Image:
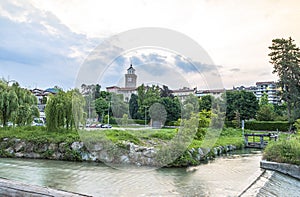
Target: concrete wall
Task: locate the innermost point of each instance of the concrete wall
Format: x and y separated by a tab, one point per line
288	169
15	188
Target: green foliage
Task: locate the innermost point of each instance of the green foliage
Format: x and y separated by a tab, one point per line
17	105
190	106
243	102
165	135
118	106
119	136
172	107
284	56
297	125
59	112
205	103
112	120
124	120
266	113
133	106
101	106
266	110
284	151
267	125
39	134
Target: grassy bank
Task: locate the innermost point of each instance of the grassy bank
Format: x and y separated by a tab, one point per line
39	134
286	150
166	140
139	137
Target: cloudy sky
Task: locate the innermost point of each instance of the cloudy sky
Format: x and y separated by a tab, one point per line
46	43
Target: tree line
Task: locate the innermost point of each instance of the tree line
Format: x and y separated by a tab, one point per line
72	108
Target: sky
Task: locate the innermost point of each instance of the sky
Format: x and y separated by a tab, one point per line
48	43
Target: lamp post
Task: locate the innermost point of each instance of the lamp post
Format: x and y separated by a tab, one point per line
145	115
108	112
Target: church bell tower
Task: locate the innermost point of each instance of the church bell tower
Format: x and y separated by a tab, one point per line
130	78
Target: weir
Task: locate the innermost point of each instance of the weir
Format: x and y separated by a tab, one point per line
262	143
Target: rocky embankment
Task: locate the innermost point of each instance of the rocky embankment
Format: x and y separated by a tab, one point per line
126	153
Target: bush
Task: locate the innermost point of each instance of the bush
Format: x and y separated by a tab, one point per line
141	122
285	151
267	125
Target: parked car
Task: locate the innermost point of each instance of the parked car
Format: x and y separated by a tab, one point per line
106	126
93	126
99	126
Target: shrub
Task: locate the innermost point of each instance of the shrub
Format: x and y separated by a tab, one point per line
267	125
285	151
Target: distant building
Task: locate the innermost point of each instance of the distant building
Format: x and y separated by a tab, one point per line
214	93
268	87
130	85
42	96
183	92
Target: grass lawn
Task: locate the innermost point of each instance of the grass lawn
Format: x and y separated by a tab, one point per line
140	136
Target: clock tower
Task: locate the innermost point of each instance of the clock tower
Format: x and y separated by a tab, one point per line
130	78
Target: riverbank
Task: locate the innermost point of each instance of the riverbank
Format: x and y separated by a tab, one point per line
111	146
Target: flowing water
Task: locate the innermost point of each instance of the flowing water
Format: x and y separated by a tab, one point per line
224	176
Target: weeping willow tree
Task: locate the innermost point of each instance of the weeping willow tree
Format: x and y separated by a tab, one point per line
59	113
27	106
17	105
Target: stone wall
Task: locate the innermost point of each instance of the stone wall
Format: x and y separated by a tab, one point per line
288	169
125	153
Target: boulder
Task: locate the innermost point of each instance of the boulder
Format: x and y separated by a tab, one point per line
77	146
62	147
10	150
20	146
150	153
20	154
53	147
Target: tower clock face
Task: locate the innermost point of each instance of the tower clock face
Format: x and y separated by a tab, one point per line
129	79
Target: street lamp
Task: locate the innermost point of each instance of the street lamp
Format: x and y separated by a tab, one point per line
145	115
108	112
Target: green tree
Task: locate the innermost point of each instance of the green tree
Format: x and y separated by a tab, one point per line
101	106
133	106
243	102
172	106
118	106
64	110
147	96
8	103
266	109
285	57
166	92
27	106
125	120
205	103
189	106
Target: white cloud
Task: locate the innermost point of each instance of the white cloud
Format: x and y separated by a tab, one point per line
236	34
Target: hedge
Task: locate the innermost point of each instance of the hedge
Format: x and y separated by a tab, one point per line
267	125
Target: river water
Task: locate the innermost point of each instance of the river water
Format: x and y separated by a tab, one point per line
224	176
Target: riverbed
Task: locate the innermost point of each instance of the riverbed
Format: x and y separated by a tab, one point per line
225	176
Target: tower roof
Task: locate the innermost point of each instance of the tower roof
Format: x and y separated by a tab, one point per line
131	67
